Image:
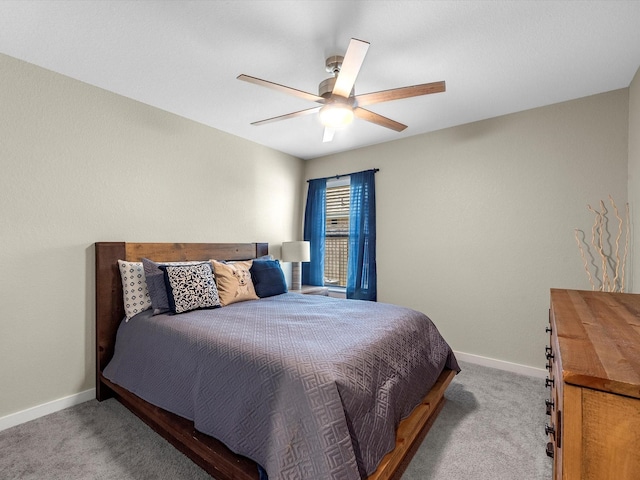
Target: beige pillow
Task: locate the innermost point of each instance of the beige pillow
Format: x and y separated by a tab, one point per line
234	281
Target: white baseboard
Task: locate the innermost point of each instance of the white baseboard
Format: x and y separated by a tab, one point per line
501	365
45	409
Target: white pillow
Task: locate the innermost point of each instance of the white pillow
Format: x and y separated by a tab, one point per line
134	288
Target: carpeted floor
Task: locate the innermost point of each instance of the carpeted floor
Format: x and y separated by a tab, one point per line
492	427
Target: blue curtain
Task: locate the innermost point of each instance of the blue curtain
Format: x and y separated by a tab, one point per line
314	230
361	268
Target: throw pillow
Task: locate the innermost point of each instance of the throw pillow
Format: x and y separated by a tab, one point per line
190	287
134	288
156	283
268	278
234	281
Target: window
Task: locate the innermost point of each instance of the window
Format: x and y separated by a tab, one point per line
360	251
336	252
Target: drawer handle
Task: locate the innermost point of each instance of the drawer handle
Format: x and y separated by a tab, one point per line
550	449
549	404
549	382
548	352
548	329
548	429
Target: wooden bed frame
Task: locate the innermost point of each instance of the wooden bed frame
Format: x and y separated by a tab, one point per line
210	454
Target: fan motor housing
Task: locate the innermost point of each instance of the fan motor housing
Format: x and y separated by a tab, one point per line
326	87
333	65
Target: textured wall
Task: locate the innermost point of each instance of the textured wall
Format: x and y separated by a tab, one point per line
475	223
80	165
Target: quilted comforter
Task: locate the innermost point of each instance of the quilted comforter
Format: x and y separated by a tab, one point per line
310	387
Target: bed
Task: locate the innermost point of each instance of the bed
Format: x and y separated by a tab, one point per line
205	450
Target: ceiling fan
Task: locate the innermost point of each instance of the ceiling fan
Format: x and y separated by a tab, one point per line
337	98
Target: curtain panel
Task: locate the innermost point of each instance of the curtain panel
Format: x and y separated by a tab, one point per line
314	231
361	269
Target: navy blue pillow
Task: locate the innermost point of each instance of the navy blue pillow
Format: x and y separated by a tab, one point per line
268	278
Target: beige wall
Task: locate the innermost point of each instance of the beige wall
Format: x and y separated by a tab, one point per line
475	223
634	176
80	165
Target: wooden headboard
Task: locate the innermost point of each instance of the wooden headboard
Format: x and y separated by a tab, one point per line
109	302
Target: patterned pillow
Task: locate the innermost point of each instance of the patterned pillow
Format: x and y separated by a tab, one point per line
268	278
134	288
234	281
190	287
156	284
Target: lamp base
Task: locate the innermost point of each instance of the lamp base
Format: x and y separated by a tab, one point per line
296	276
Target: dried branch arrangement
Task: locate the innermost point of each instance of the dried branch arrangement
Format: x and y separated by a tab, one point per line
604	254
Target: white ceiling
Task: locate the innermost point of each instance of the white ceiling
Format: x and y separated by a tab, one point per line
497	57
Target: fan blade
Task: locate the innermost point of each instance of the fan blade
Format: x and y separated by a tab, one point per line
350	67
281	88
288	115
399	93
328	134
369	116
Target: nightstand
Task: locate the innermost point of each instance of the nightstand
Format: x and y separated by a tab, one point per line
312	290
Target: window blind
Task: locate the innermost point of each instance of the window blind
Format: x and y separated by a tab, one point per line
337	235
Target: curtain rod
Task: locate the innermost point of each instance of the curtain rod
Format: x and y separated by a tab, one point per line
375	170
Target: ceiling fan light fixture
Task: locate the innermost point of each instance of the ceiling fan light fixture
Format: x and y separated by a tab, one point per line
338	97
336	115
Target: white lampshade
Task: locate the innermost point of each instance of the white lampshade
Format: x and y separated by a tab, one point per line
296	252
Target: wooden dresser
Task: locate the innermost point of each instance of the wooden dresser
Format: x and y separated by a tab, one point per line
594	380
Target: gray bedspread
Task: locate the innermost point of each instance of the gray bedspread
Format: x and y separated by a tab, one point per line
310	387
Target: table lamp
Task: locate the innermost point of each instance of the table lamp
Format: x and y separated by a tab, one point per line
296	252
